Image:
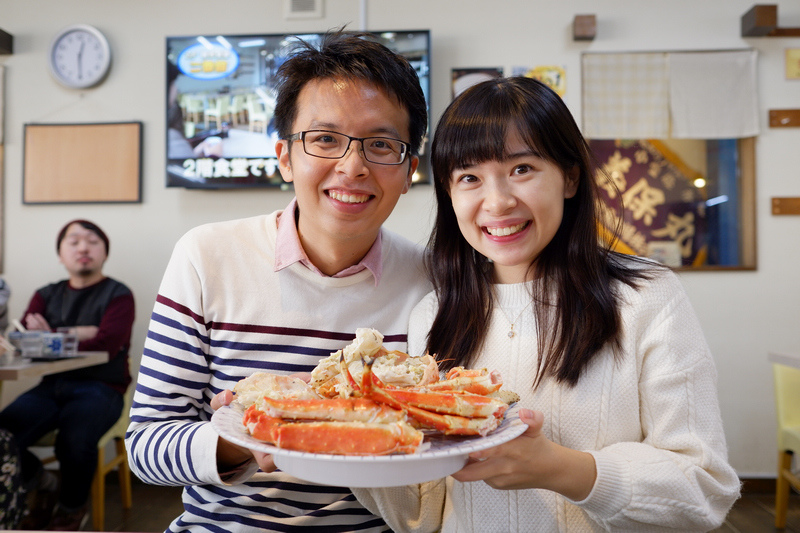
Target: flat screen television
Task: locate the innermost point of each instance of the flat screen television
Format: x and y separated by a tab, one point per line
220	100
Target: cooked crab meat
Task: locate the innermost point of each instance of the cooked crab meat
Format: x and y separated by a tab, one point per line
263	384
340	438
470	410
458	403
338	409
478	381
393	367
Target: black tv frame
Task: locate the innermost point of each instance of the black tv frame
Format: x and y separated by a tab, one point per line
206	67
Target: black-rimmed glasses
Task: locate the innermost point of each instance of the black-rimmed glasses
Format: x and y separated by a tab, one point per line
334	145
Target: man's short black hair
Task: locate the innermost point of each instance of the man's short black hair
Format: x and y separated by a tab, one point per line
86	224
350	55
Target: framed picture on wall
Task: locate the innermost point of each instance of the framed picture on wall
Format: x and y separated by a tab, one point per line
688	203
82	163
220	99
464	78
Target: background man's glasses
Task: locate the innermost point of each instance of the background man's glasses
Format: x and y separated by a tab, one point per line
334	145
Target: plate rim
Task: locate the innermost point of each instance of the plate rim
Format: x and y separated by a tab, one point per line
510	428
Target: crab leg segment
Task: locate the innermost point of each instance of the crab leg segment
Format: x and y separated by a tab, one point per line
447	424
479	381
339	409
450	403
450	424
341	438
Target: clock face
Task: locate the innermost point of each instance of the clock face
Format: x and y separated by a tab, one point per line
80	56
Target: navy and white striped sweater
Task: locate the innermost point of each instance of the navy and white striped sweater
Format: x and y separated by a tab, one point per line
222	313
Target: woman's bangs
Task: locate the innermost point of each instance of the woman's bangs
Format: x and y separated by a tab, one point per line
478	137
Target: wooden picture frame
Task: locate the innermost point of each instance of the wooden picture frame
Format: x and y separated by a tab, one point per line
688	203
82	163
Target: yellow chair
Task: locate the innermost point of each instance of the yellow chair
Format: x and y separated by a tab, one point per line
238	109
218	112
787	403
256	114
119	461
193	107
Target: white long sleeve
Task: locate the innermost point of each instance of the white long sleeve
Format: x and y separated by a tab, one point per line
651	420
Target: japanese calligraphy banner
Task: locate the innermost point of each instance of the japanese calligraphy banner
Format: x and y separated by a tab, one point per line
653	200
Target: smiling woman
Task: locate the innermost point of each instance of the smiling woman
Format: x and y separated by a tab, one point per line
510	209
595	338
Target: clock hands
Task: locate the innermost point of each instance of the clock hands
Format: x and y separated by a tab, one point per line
80	54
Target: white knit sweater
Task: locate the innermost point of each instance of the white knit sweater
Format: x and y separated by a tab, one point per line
651	421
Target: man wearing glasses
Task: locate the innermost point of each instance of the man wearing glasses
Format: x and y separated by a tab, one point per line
279	292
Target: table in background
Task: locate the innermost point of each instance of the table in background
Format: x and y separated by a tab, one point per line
24	368
785	359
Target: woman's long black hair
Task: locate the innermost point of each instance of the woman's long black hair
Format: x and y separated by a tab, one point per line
576	308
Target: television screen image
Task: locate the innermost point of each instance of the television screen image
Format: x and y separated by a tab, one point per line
220	102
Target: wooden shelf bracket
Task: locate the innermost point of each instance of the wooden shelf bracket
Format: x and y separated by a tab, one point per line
762	21
584	27
6	43
784	118
786	206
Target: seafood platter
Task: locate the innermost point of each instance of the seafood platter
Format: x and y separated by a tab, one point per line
370	417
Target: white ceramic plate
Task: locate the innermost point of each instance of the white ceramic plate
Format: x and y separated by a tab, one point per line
444	456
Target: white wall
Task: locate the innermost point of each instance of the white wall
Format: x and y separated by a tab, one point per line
744	314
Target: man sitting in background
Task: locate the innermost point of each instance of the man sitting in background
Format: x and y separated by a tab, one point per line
81	404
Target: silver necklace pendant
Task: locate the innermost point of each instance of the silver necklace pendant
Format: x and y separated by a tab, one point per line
511	333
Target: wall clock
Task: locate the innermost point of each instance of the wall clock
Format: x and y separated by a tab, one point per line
80	56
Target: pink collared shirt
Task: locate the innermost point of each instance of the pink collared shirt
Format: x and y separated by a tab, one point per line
289	250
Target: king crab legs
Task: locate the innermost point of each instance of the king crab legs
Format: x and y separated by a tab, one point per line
341	438
452	412
378	419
